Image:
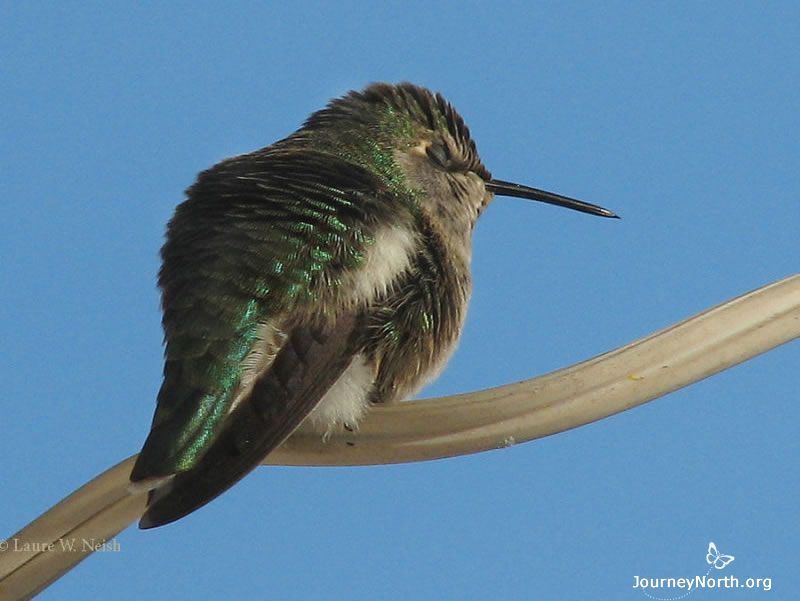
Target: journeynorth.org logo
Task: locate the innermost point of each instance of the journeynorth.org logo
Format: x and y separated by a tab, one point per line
674	588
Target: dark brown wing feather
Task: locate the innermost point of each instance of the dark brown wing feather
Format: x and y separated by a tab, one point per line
308	364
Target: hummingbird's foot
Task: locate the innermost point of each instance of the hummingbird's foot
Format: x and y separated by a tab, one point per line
339	426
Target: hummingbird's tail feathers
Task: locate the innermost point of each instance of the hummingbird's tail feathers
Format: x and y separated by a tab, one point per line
170	446
308	364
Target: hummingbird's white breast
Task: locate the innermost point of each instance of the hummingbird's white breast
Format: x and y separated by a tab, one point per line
385	260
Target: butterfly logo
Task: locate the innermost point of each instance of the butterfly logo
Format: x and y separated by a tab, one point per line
717	559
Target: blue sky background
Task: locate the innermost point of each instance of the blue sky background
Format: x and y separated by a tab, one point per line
682	117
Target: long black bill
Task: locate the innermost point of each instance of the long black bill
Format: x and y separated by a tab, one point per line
501	188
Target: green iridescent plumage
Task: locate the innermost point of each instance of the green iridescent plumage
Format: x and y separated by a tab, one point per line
260	239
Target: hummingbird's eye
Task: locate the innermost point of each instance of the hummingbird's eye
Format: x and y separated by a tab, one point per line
439	154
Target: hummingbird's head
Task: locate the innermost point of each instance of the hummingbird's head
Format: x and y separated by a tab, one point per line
418	143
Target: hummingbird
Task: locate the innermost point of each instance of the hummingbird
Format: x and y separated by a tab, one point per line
303	282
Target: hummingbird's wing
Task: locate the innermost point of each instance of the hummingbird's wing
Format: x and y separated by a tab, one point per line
308	364
258	251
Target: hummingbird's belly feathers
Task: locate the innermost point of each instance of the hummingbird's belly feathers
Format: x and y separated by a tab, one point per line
346	402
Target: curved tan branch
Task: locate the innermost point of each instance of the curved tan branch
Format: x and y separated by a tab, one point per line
632	375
